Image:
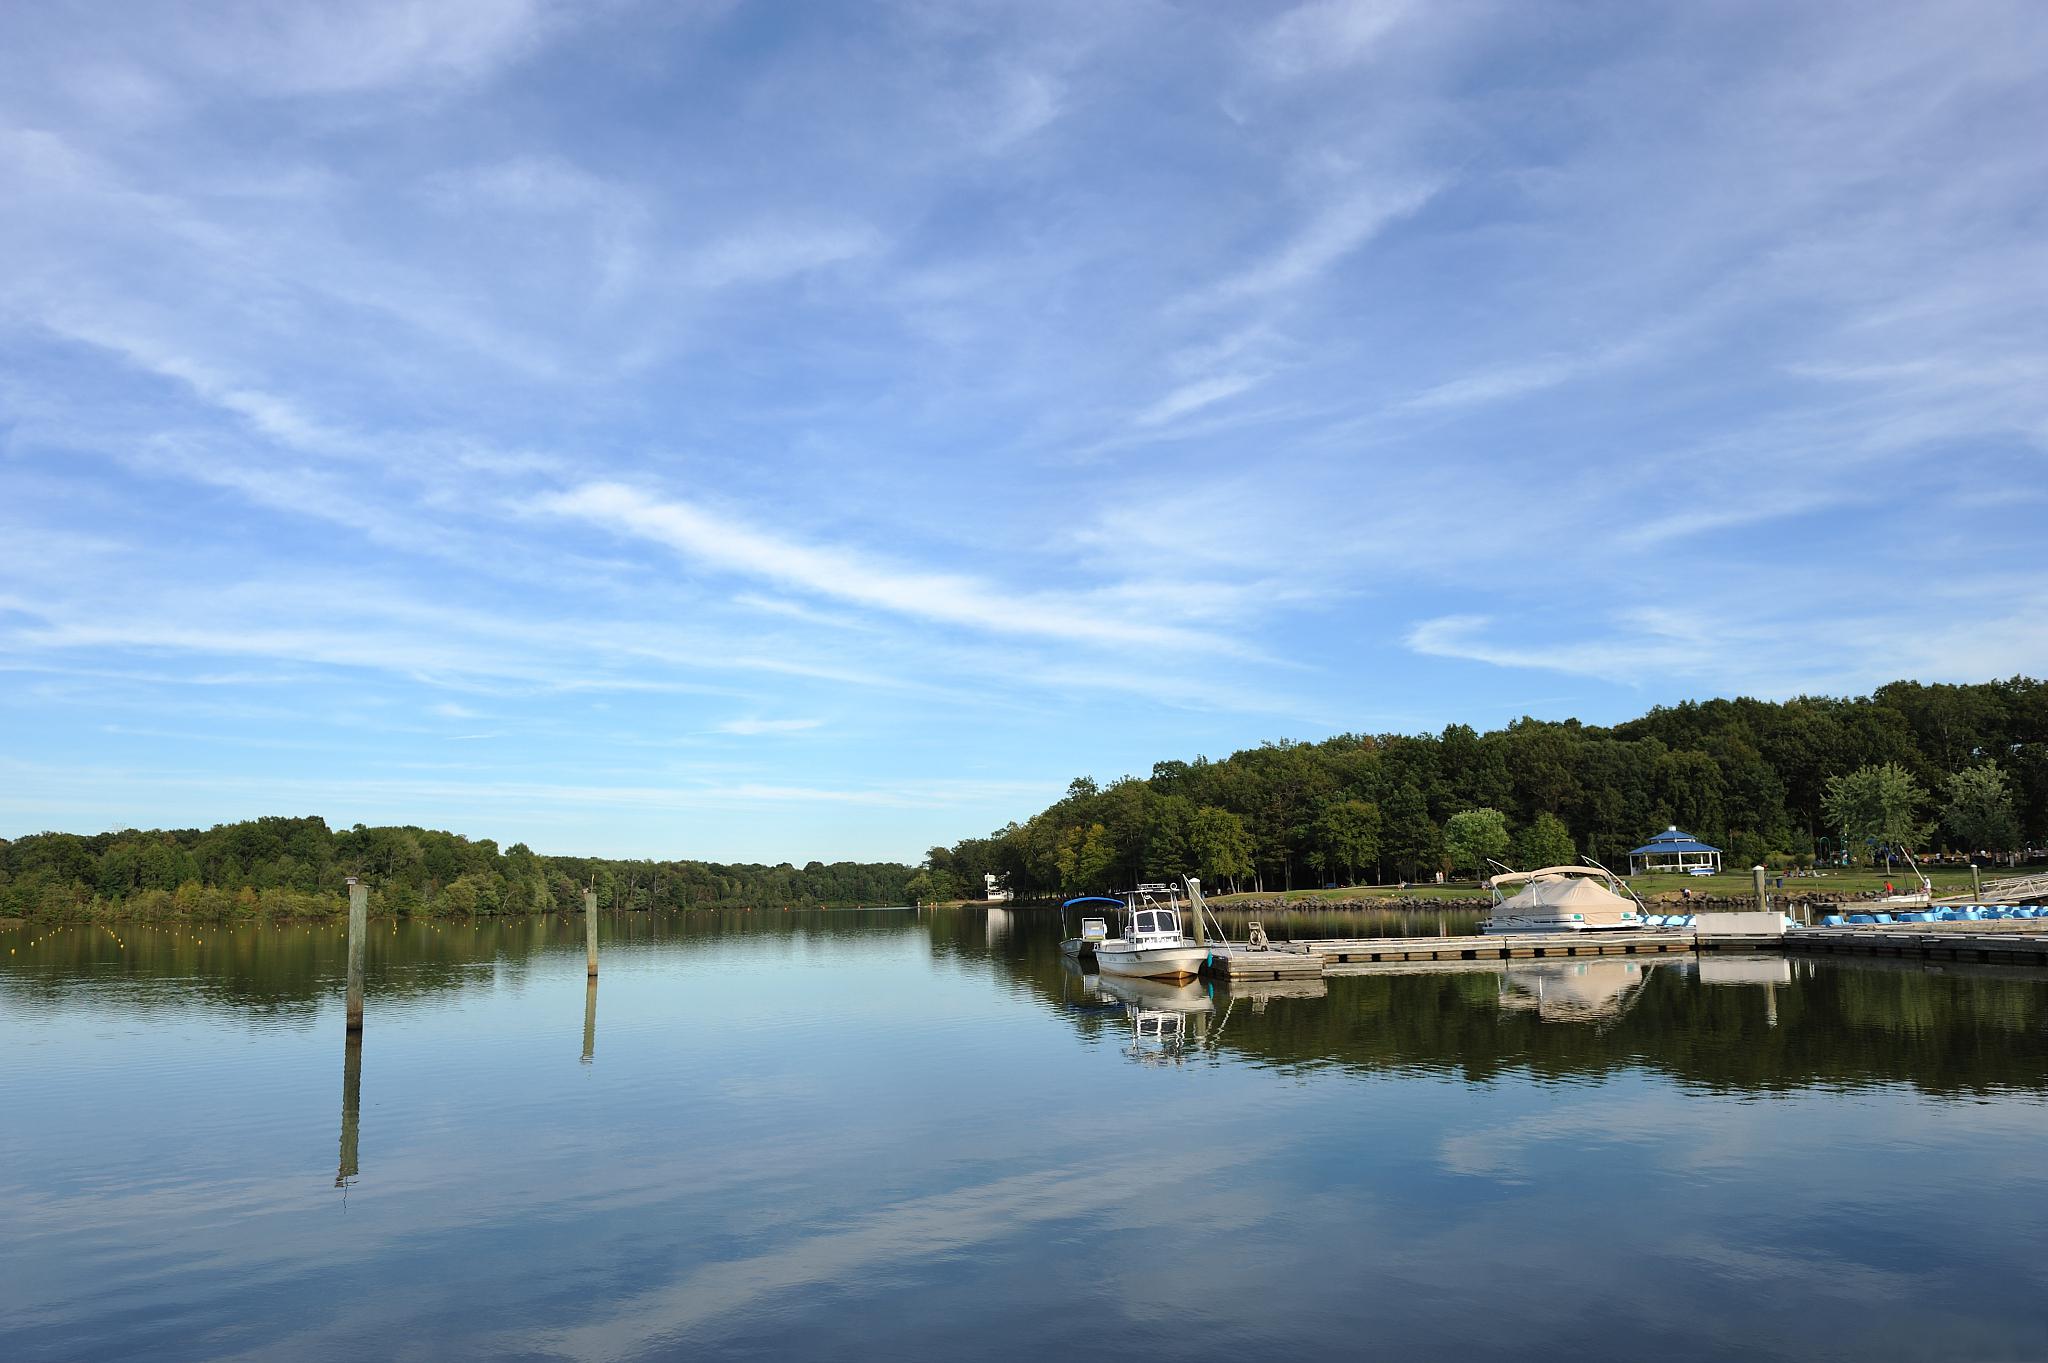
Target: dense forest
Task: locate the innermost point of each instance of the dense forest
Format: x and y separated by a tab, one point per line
1926	767
285	866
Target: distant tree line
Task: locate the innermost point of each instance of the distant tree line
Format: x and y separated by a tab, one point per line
1921	766
296	866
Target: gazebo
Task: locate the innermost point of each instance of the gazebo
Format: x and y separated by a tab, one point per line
1674	850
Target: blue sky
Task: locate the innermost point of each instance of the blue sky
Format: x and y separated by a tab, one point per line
770	431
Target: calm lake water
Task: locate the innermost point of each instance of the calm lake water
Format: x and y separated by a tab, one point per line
899	1136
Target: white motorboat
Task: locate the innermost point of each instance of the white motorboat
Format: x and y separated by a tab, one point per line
1152	946
1562	899
1093	930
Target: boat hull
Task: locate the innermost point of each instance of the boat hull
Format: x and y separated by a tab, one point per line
1495	927
1178	962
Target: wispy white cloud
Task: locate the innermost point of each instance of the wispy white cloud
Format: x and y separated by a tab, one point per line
729	544
1326	35
1193	397
1334	231
750	727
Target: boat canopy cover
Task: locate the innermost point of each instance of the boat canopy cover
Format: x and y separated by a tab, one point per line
1508	878
1568	896
1671	842
1092	899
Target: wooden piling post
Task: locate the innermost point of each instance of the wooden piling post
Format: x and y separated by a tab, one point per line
1976	881
1763	901
590	929
358	931
589	1019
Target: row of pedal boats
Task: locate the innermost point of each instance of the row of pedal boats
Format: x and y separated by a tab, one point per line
1150	938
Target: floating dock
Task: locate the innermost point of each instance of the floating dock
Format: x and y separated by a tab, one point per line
1309	959
1920	942
1317	957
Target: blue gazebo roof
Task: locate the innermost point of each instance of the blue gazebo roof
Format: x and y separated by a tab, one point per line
1672	841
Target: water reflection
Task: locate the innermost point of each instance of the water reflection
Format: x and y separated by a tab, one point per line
1168	1021
590	1019
864	1121
1572	991
351	1108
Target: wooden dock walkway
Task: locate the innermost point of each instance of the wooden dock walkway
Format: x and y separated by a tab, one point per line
1308	959
1925	942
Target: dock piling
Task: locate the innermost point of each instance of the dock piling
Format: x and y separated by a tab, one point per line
1976	882
1763	901
358	931
590	929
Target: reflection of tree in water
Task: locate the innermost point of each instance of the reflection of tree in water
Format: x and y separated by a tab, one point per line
289	969
1952	1030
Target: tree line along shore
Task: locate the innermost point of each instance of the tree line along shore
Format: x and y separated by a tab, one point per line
297	868
1787	784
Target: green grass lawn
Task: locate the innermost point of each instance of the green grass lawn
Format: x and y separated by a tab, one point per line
1728	885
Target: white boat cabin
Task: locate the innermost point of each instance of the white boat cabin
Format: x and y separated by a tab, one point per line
1153	924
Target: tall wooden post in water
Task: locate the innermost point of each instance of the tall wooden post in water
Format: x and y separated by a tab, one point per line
1762	900
590	929
1976	881
358	930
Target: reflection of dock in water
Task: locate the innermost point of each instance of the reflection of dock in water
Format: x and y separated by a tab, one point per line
1744	970
1259	993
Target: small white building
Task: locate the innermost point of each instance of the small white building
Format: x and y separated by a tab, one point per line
998	893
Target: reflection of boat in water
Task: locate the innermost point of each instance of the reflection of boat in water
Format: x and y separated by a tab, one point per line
1164	996
1151	946
1158	1036
1572	991
1561	899
1162	1013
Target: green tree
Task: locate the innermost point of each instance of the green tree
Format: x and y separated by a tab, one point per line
1410	839
1349	834
1544	842
1878	805
1096	859
1472	836
1222	848
1979	811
